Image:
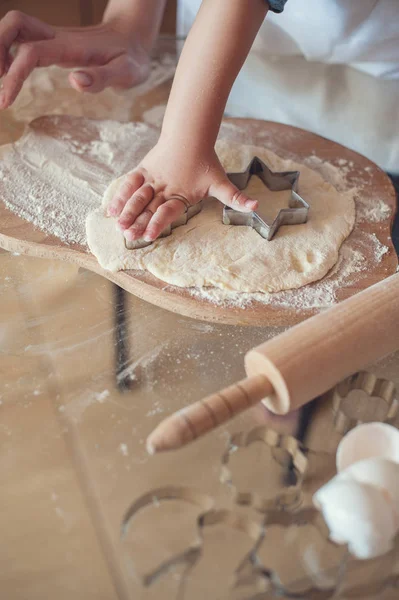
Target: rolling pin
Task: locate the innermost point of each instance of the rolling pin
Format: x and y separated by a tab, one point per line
298	365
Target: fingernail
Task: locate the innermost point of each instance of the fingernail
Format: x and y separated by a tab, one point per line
252	204
148	237
128	235
83	79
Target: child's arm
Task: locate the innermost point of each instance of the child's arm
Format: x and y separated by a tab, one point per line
183	167
113	53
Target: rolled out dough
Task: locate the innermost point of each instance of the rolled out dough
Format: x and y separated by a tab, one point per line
206	253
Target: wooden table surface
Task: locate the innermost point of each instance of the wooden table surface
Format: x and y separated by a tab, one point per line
86	372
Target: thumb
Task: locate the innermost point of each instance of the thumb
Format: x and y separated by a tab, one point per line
119	72
230	195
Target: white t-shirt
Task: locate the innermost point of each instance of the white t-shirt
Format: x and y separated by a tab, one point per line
329	66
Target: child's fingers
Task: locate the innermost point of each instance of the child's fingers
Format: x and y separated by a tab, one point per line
138	228
230	195
168	212
131	183
136	205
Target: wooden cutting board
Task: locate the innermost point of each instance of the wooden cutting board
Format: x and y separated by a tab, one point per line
21	236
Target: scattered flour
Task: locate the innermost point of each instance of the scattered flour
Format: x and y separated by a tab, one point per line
379	250
334	175
101	396
373	210
123	449
75	408
156	410
368	209
140	368
320	295
42	175
41	179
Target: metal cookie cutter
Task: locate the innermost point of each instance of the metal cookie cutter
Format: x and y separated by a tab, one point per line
190	212
155	497
296	214
287	499
372	386
207	517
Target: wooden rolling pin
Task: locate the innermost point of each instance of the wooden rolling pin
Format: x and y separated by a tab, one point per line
298	365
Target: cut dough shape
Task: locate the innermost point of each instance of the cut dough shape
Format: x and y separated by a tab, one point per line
206	253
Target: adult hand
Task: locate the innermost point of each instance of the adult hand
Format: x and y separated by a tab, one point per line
106	55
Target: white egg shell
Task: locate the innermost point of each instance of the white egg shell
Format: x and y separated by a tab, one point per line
359	515
367	441
379	472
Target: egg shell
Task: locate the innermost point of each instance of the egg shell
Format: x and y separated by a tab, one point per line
379	472
369	440
359	515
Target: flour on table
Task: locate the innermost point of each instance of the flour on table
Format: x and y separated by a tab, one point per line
207	254
54	180
57	173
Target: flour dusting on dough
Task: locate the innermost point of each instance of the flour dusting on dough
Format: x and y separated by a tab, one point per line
207	254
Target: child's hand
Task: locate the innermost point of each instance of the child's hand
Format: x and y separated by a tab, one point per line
183	167
108	57
165	184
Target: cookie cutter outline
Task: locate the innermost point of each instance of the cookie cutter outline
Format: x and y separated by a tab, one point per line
295	214
250	569
308	515
288	499
189	213
209	516
369	590
190	495
372	385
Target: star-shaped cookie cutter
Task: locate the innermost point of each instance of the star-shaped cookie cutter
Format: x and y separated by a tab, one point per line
296	214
